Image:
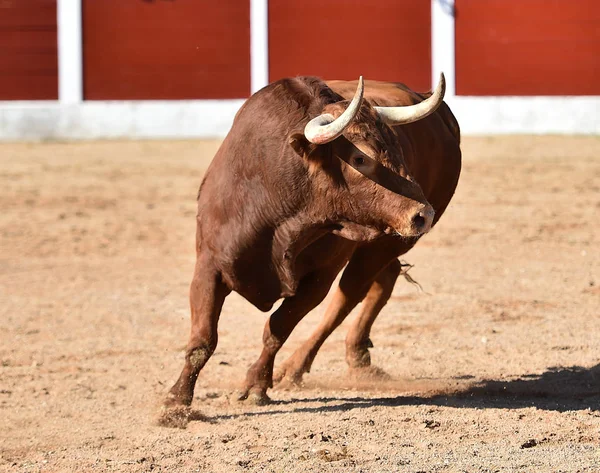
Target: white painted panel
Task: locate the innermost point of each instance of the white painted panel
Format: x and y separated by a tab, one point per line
213	118
526	115
259	44
442	43
127	119
70	70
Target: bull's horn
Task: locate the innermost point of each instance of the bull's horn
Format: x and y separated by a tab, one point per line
412	113
326	128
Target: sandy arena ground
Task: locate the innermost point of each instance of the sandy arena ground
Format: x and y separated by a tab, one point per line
495	367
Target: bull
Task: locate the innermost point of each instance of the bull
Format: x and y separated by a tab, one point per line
312	178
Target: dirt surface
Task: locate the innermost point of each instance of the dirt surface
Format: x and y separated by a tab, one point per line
495	367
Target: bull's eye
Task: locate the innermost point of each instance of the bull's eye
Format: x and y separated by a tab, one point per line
359	161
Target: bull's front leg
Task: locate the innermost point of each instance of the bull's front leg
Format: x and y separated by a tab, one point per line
311	291
292	370
207	294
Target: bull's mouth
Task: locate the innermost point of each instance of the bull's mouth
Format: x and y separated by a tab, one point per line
393	232
356	232
366	233
412	233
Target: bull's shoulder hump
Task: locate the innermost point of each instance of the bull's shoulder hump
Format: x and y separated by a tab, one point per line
379	93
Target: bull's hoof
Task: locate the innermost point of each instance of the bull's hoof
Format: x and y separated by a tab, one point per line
288	378
176	417
255	397
368	373
290	383
291	371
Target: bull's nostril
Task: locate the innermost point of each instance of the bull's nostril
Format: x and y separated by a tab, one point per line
419	222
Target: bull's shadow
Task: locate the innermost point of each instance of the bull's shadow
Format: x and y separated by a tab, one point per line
558	389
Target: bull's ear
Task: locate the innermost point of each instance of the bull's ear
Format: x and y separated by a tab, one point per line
301	145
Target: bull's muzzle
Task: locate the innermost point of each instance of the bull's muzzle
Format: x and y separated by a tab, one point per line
419	223
422	221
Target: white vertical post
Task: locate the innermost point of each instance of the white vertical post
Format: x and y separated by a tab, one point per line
259	44
70	69
442	44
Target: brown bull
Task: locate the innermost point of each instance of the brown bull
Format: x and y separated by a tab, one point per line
305	183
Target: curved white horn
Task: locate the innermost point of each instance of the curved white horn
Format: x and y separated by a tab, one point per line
411	113
326	128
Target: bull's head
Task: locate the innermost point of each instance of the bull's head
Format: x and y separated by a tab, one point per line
358	151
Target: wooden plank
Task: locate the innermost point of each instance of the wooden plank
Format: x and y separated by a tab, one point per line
184	49
528	47
28	50
341	39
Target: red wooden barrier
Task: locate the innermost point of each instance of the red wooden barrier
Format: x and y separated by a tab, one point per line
528	47
342	39
28	50
166	49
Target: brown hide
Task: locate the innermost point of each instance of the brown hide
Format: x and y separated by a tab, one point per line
270	213
280	217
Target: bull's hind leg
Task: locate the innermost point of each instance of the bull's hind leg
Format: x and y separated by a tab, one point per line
310	293
207	294
358	339
366	273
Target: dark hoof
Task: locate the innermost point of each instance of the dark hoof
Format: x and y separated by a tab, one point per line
290	383
175	417
288	379
255	397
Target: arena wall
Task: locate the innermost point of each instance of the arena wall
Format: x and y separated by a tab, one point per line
90	69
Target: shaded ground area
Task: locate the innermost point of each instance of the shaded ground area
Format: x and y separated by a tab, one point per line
495	367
